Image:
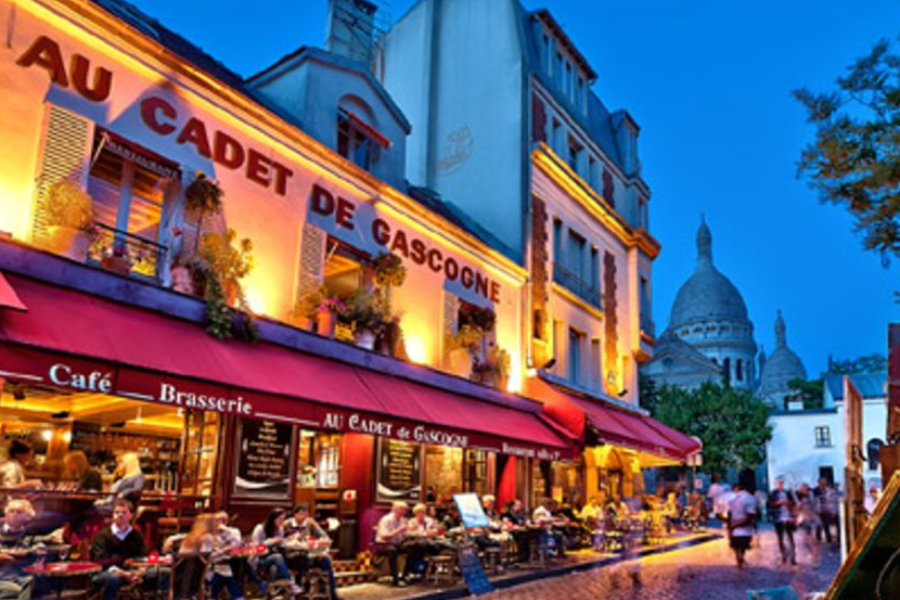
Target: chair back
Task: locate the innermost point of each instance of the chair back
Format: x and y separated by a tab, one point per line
188	576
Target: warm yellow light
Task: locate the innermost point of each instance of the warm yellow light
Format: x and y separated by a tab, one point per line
416	349
67	436
47	435
256	301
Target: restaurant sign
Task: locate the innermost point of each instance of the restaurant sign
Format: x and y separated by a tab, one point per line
29	365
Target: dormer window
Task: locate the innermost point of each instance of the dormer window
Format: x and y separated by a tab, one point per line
358	141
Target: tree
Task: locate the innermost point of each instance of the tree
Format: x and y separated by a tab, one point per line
810	392
873	363
731	423
855	158
649	393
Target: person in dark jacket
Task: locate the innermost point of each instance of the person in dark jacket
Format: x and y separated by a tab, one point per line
87	477
112	546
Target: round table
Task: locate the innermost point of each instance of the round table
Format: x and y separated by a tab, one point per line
60	571
146	562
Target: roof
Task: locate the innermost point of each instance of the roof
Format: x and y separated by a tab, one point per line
304	53
599	123
870	385
544	16
707	294
782	366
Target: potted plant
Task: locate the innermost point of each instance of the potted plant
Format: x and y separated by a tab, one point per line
483	318
182	276
367	313
203	196
326	316
115	258
494	369
70	220
228	261
461	347
391	342
389	270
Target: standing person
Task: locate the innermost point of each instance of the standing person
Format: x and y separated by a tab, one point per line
390	534
827	507
112	546
872	499
742	511
782	510
807	520
12	472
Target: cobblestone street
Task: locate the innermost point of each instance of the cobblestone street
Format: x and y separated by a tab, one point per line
705	572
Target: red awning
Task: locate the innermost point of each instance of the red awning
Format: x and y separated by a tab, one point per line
68	335
580	414
8	297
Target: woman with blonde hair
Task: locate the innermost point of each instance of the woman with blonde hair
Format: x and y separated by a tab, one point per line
77	467
129	481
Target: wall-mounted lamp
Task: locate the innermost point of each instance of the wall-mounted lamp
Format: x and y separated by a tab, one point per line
622	393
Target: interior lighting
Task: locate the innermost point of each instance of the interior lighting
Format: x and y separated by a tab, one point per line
46	435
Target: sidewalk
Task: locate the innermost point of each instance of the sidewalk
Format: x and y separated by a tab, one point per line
575	562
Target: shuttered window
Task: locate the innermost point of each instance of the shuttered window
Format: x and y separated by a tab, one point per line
64	157
312	259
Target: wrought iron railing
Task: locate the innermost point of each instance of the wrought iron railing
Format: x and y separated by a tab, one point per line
578	286
132	253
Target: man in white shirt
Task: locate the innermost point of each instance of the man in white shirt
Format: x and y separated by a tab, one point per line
390	533
742	511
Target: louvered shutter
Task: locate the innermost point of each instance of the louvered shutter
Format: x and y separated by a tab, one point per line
65	156
312	259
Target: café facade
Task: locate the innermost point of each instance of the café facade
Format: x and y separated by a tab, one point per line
105	360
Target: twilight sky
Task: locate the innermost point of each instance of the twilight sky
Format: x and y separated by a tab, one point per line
709	82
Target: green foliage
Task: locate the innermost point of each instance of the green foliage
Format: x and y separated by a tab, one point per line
855	159
221	266
649	393
873	363
203	195
810	392
389	270
467	338
367	311
218	313
228	263
483	318
731	423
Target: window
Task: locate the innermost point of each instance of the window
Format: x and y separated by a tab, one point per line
596	365
574	155
592	172
130	188
557	241
354	143
557	139
726	369
318	460
575	340
567	83
739	370
609	189
579	92
345	268
823	436
545	52
558	69
873	453
646	307
595	268
575	254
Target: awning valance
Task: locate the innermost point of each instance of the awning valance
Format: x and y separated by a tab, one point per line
74	340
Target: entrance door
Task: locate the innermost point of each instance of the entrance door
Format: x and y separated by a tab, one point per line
827	473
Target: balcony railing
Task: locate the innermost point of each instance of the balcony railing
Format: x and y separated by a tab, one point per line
578	286
133	253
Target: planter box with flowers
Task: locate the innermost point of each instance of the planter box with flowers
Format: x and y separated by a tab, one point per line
494	369
462	347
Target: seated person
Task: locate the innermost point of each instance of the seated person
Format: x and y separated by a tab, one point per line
515	520
483	537
112	546
390	534
209	536
543	516
128	484
85	477
452	520
18	548
12	472
271	535
307	533
425	529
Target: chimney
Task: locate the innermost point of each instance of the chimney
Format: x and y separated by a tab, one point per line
351	29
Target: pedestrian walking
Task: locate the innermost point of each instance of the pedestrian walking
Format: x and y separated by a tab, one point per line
742	511
808	522
827	501
782	510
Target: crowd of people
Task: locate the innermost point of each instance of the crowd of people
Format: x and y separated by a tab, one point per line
279	551
810	512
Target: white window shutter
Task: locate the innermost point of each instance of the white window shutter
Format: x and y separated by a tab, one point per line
65	156
312	259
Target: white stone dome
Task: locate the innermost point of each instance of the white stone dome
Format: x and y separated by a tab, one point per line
782	366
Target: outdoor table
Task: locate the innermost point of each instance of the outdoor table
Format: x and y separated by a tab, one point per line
145	562
61	571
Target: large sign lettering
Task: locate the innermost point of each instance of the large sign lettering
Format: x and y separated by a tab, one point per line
360	226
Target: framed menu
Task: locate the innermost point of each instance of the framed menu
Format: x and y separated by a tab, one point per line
398	471
264	459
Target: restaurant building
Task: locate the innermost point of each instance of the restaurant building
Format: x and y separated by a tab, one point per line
102	344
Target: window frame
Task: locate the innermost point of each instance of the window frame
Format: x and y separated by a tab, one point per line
823	436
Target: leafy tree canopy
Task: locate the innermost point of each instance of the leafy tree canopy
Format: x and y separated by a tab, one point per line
731	423
855	159
873	363
810	392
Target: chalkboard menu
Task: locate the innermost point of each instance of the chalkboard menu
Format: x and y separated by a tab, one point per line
399	471
264	459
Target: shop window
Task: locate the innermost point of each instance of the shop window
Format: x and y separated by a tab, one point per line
346	269
319	460
443	473
177	449
130	188
475	472
823	436
355	142
540	471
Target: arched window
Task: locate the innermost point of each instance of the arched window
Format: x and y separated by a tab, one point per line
726	369
358	138
872	451
739	370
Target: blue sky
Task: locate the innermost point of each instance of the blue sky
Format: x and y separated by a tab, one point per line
709	81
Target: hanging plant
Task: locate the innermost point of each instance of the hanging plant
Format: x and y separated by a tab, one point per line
389	270
203	195
482	318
